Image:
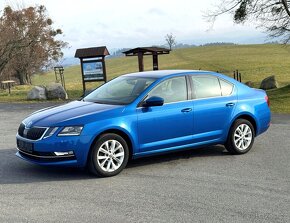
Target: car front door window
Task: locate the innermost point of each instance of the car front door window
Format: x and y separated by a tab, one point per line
172	90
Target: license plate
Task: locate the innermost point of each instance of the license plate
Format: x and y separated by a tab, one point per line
25	146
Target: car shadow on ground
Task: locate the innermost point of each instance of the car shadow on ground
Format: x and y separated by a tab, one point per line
179	155
16	171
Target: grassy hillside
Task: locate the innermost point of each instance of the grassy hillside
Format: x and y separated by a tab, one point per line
255	62
280	99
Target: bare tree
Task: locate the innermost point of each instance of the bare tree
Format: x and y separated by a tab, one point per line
170	39
27	41
273	16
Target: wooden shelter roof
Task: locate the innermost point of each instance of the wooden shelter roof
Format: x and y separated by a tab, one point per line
146	51
92	52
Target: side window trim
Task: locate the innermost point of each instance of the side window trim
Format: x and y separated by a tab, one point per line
189	87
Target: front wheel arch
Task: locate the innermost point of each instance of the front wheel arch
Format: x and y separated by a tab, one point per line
109	156
117	132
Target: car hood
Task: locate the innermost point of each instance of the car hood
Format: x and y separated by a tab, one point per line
73	113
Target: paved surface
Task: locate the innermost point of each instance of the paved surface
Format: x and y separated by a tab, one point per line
204	185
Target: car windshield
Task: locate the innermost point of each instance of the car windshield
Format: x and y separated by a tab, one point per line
121	91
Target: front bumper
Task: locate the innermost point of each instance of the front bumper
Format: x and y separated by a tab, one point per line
44	151
46	162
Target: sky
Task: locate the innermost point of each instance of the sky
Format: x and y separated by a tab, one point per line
132	23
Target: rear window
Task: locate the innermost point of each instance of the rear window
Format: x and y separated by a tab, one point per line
226	87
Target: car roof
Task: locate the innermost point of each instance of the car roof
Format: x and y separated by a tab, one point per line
163	73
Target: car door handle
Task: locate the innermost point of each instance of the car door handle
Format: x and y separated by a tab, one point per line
186	110
231	104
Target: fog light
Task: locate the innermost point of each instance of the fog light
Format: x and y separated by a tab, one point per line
64	153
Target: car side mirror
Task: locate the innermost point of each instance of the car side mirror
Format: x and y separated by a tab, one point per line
153	101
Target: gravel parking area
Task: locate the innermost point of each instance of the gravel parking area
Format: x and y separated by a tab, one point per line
201	185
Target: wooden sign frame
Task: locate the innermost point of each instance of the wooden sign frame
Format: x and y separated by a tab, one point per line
98	76
93	66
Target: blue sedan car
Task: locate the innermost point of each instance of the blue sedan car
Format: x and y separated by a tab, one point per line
143	114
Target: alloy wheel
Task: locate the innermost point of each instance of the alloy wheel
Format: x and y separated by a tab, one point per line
243	137
110	155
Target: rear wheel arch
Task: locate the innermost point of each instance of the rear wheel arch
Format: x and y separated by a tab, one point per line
249	118
241	136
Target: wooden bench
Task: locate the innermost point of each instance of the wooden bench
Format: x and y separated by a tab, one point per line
8	83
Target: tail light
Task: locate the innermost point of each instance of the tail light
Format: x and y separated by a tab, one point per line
267	100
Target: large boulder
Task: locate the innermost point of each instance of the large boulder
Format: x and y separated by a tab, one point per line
55	91
250	84
269	83
37	93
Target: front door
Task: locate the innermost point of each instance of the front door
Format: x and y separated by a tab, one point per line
169	125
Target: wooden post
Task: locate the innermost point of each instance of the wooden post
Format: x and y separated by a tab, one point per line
104	69
84	85
9	88
155	61
140	61
62	73
55	75
62	80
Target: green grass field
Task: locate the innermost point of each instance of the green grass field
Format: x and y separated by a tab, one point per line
255	62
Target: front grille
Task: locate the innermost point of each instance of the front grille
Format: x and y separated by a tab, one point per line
33	133
21	129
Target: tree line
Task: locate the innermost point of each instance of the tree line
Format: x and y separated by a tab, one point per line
272	16
28	42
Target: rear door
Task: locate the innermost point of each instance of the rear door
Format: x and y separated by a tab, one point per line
214	102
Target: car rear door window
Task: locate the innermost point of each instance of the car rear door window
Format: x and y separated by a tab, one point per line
205	87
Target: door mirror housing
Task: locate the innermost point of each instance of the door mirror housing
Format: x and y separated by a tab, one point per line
153	101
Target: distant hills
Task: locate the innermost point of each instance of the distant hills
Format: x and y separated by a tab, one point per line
70	61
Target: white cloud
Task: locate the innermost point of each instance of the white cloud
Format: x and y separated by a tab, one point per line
132	23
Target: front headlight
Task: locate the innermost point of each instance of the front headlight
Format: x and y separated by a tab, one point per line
71	131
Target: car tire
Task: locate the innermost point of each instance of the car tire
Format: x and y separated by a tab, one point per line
241	137
109	156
